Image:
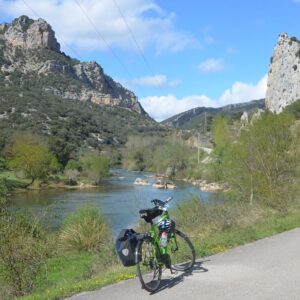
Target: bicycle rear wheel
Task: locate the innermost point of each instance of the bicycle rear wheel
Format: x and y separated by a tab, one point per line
148	269
181	251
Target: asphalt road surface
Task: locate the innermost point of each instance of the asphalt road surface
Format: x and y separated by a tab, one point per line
266	269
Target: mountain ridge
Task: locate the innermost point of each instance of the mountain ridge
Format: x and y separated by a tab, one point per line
30	46
182	120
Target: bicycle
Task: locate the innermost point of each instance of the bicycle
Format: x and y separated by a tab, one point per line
163	245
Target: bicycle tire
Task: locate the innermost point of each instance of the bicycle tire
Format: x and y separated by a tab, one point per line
148	270
181	251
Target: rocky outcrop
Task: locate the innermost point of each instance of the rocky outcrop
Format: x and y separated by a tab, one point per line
30	47
29	34
284	74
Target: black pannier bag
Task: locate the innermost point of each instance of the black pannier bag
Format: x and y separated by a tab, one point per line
125	245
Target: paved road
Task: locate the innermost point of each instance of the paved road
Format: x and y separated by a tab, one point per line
266	269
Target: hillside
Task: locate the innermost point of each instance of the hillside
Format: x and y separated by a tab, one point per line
45	91
199	117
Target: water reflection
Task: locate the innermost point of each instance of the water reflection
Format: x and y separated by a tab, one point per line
118	198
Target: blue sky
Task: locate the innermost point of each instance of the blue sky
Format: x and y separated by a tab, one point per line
175	55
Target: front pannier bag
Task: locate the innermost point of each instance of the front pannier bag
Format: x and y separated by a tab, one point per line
125	245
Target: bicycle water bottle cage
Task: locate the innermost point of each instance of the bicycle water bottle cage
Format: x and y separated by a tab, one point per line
149	214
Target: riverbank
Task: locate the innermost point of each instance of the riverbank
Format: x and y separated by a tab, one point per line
18	184
61	283
210	187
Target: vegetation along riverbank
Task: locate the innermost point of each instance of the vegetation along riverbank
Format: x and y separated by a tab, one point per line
65	123
259	163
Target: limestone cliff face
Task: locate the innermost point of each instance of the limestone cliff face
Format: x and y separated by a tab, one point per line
284	74
30	34
29	47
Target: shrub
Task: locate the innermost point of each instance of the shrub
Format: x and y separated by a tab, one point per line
261	163
30	155
85	230
199	219
22	253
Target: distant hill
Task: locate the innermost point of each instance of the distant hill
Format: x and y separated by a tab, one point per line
198	117
74	103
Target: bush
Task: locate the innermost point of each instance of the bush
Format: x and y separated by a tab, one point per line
261	163
22	252
85	230
3	194
29	154
199	219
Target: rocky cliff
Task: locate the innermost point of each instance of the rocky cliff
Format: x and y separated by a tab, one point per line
30	49
284	74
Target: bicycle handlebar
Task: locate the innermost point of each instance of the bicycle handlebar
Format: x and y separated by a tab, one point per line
161	204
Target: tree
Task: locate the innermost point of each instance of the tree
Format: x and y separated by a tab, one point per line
221	138
31	155
95	166
261	163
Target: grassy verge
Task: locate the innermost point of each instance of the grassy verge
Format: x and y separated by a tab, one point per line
13	181
230	238
73	274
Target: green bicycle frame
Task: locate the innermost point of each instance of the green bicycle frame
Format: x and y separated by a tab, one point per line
160	251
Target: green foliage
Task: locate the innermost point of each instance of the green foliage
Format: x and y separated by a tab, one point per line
294	109
221	135
23	250
28	154
70	125
64	269
221	138
3	195
95	166
159	155
2	163
85	230
74	165
261	163
196	217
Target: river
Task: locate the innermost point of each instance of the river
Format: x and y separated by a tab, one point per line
118	199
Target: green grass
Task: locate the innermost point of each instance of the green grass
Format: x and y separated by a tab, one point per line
63	270
13	181
67	275
233	237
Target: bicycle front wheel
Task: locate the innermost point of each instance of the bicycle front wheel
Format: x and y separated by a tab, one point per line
148	269
181	251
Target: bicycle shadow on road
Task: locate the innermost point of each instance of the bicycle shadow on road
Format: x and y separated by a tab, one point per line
168	283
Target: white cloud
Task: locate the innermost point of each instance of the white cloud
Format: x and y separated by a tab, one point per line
149	23
163	107
212	65
156	81
242	92
152	81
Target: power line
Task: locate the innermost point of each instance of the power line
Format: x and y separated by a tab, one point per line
59	37
103	39
135	41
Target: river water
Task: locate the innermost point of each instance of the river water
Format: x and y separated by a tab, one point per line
118	199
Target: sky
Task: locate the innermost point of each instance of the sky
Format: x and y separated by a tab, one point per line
174	55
